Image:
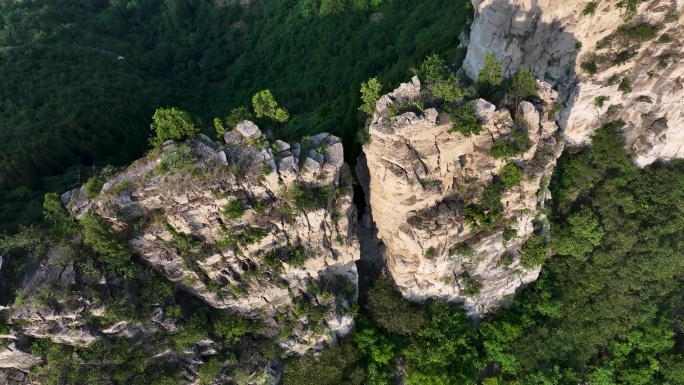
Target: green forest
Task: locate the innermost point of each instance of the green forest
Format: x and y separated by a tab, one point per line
84	81
81	80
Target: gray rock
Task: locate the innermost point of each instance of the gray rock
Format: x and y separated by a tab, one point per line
248	129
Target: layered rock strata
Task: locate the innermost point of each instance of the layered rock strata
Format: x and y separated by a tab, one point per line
419	178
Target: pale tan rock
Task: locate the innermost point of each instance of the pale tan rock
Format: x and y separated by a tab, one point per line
542	35
192	205
417	179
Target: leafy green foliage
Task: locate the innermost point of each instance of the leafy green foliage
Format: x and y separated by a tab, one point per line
516	143
338	365
490	78
231	328
488	211
533	252
370	94
431	253
233	210
590	67
582	234
93	187
600	100
265	105
172	123
112	250
625	85
464	119
510	175
438	81
208	372
589	9
391	311
630	6
305	197
641	32
522	87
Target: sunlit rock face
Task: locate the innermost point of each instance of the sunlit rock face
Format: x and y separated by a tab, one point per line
270	225
553	38
418	178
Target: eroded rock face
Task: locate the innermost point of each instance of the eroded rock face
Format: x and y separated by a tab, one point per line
265	229
419	178
553	38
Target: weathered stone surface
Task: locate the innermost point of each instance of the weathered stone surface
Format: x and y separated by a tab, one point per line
418	177
230	271
544	35
13	358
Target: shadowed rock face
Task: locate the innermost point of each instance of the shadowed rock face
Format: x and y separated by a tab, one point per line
418	178
269	221
544	35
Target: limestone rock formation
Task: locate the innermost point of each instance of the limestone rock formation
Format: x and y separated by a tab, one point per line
418	180
264	228
554	38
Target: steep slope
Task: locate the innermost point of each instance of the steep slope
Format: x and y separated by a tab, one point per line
589	51
421	181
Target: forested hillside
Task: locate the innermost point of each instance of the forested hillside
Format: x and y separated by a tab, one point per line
82	79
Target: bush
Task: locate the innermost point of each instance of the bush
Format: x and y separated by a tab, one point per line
665	38
233	210
431	253
533	252
464	119
338	365
231	328
253	235
370	94
391	311
641	32
101	238
589	9
590	67
462	249
510	176
470	285
207	372
625	85
93	187
613	109
488	211
265	105
516	143
172	123
175	159
306	198
600	100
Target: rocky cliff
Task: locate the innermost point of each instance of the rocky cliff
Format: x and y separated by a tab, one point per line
420	179
607	62
261	227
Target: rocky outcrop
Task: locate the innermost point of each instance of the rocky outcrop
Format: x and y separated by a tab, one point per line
261	227
553	38
418	179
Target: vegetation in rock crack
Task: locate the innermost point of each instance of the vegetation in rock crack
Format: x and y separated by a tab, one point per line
464	119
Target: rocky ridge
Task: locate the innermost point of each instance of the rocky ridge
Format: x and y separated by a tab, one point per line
418	178
260	227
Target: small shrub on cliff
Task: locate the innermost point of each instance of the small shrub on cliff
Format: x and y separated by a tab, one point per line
488	211
665	38
101	238
464	119
391	311
306	197
470	285
533	252
231	328
516	143
233	210
490	78
208	371
461	249
625	85
589	67
172	123
640	32
522	87
93	187
370	94
265	105
510	176
589	9
431	253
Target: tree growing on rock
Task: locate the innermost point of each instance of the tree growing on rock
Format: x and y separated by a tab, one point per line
265	105
522	87
489	79
370	93
172	123
437	79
